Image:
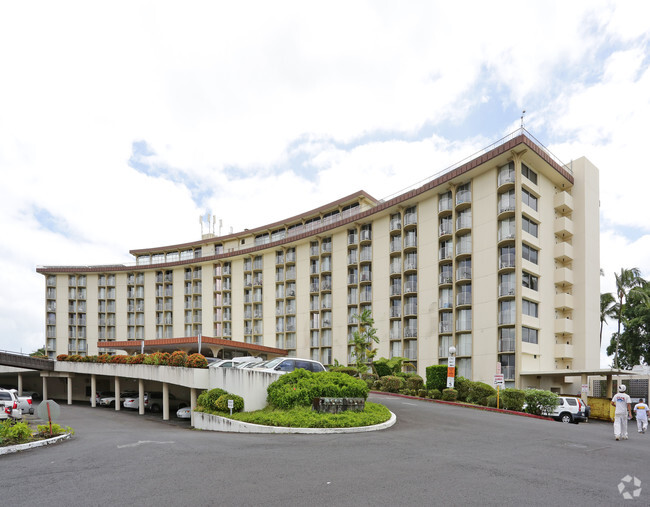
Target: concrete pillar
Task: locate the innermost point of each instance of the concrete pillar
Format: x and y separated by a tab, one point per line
165	395
44	388
141	396
93	390
584	396
609	387
69	384
117	393
20	384
192	404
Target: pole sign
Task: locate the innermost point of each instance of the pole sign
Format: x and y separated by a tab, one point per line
451	372
498	368
499	380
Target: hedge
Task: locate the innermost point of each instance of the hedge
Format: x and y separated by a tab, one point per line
437	376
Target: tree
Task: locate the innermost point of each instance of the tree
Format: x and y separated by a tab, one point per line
625	281
634	340
39	353
363	340
607	309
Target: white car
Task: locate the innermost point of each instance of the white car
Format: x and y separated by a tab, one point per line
24	402
287	364
184	413
9	406
153	401
109	401
570	410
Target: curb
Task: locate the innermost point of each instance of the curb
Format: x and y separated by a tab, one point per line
211	422
40	443
466	405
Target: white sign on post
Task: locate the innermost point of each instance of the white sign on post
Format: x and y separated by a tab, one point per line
498	368
499	380
231	405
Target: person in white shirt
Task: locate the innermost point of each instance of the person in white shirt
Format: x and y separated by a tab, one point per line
641	412
623	411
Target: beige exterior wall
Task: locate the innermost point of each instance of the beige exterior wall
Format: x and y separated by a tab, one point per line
567	272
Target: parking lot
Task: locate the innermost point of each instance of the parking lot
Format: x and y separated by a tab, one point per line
434	454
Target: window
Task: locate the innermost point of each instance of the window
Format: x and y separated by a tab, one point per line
527	172
529	253
529	308
529	281
507	312
507	228
529	199
507	201
528	335
529	226
507	339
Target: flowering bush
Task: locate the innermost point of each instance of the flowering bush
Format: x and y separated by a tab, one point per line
159	358
119	359
178	358
74	358
62	357
197	361
137	359
104	358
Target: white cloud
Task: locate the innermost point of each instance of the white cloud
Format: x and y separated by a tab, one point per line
281	102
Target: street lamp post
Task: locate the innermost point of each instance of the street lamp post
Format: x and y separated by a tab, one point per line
451	367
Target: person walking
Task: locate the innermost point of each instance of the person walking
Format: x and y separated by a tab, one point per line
623	411
641	412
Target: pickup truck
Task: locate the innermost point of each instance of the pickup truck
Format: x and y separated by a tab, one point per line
24	402
9	406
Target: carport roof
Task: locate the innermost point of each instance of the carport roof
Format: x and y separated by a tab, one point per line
577	373
172	344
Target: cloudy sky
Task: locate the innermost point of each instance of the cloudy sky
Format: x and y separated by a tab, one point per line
121	123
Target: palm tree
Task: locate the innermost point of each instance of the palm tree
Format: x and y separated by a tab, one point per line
607	309
627	280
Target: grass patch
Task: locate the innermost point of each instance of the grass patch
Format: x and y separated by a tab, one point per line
305	417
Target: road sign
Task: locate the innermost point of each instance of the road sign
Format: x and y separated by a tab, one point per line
499	380
498	368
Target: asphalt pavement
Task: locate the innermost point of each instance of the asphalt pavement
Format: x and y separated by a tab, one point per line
436	454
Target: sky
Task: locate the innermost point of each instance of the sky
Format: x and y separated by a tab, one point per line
122	123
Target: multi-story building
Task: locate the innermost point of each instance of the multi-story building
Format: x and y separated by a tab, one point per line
497	256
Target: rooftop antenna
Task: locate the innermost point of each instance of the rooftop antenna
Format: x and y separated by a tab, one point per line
201	222
220	225
522	118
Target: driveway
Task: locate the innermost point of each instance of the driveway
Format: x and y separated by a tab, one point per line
435	454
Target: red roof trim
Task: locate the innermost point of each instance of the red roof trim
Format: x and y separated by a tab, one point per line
207	340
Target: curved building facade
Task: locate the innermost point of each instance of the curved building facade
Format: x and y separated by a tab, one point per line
497	256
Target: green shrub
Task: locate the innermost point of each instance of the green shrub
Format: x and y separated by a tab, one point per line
512	399
462	385
300	387
492	401
74	358
222	403
391	384
434	394
196	361
89	359
208	399
422	393
449	395
540	402
414	382
12	434
437	376
348	370
479	393
376	385
157	358
408	392
44	430
385	367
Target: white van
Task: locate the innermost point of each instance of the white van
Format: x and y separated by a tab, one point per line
234	362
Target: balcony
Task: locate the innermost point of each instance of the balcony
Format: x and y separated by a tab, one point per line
463	197
410	287
506	261
445	278
410	332
410	219
563	277
563	301
395	290
444	327
395	313
395	245
505	178
444	229
563	351
464	298
444	204
410	309
463	223
506	345
563	202
463	274
506	289
445	253
365	235
410	265
395	225
563	227
506	207
563	252
563	326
